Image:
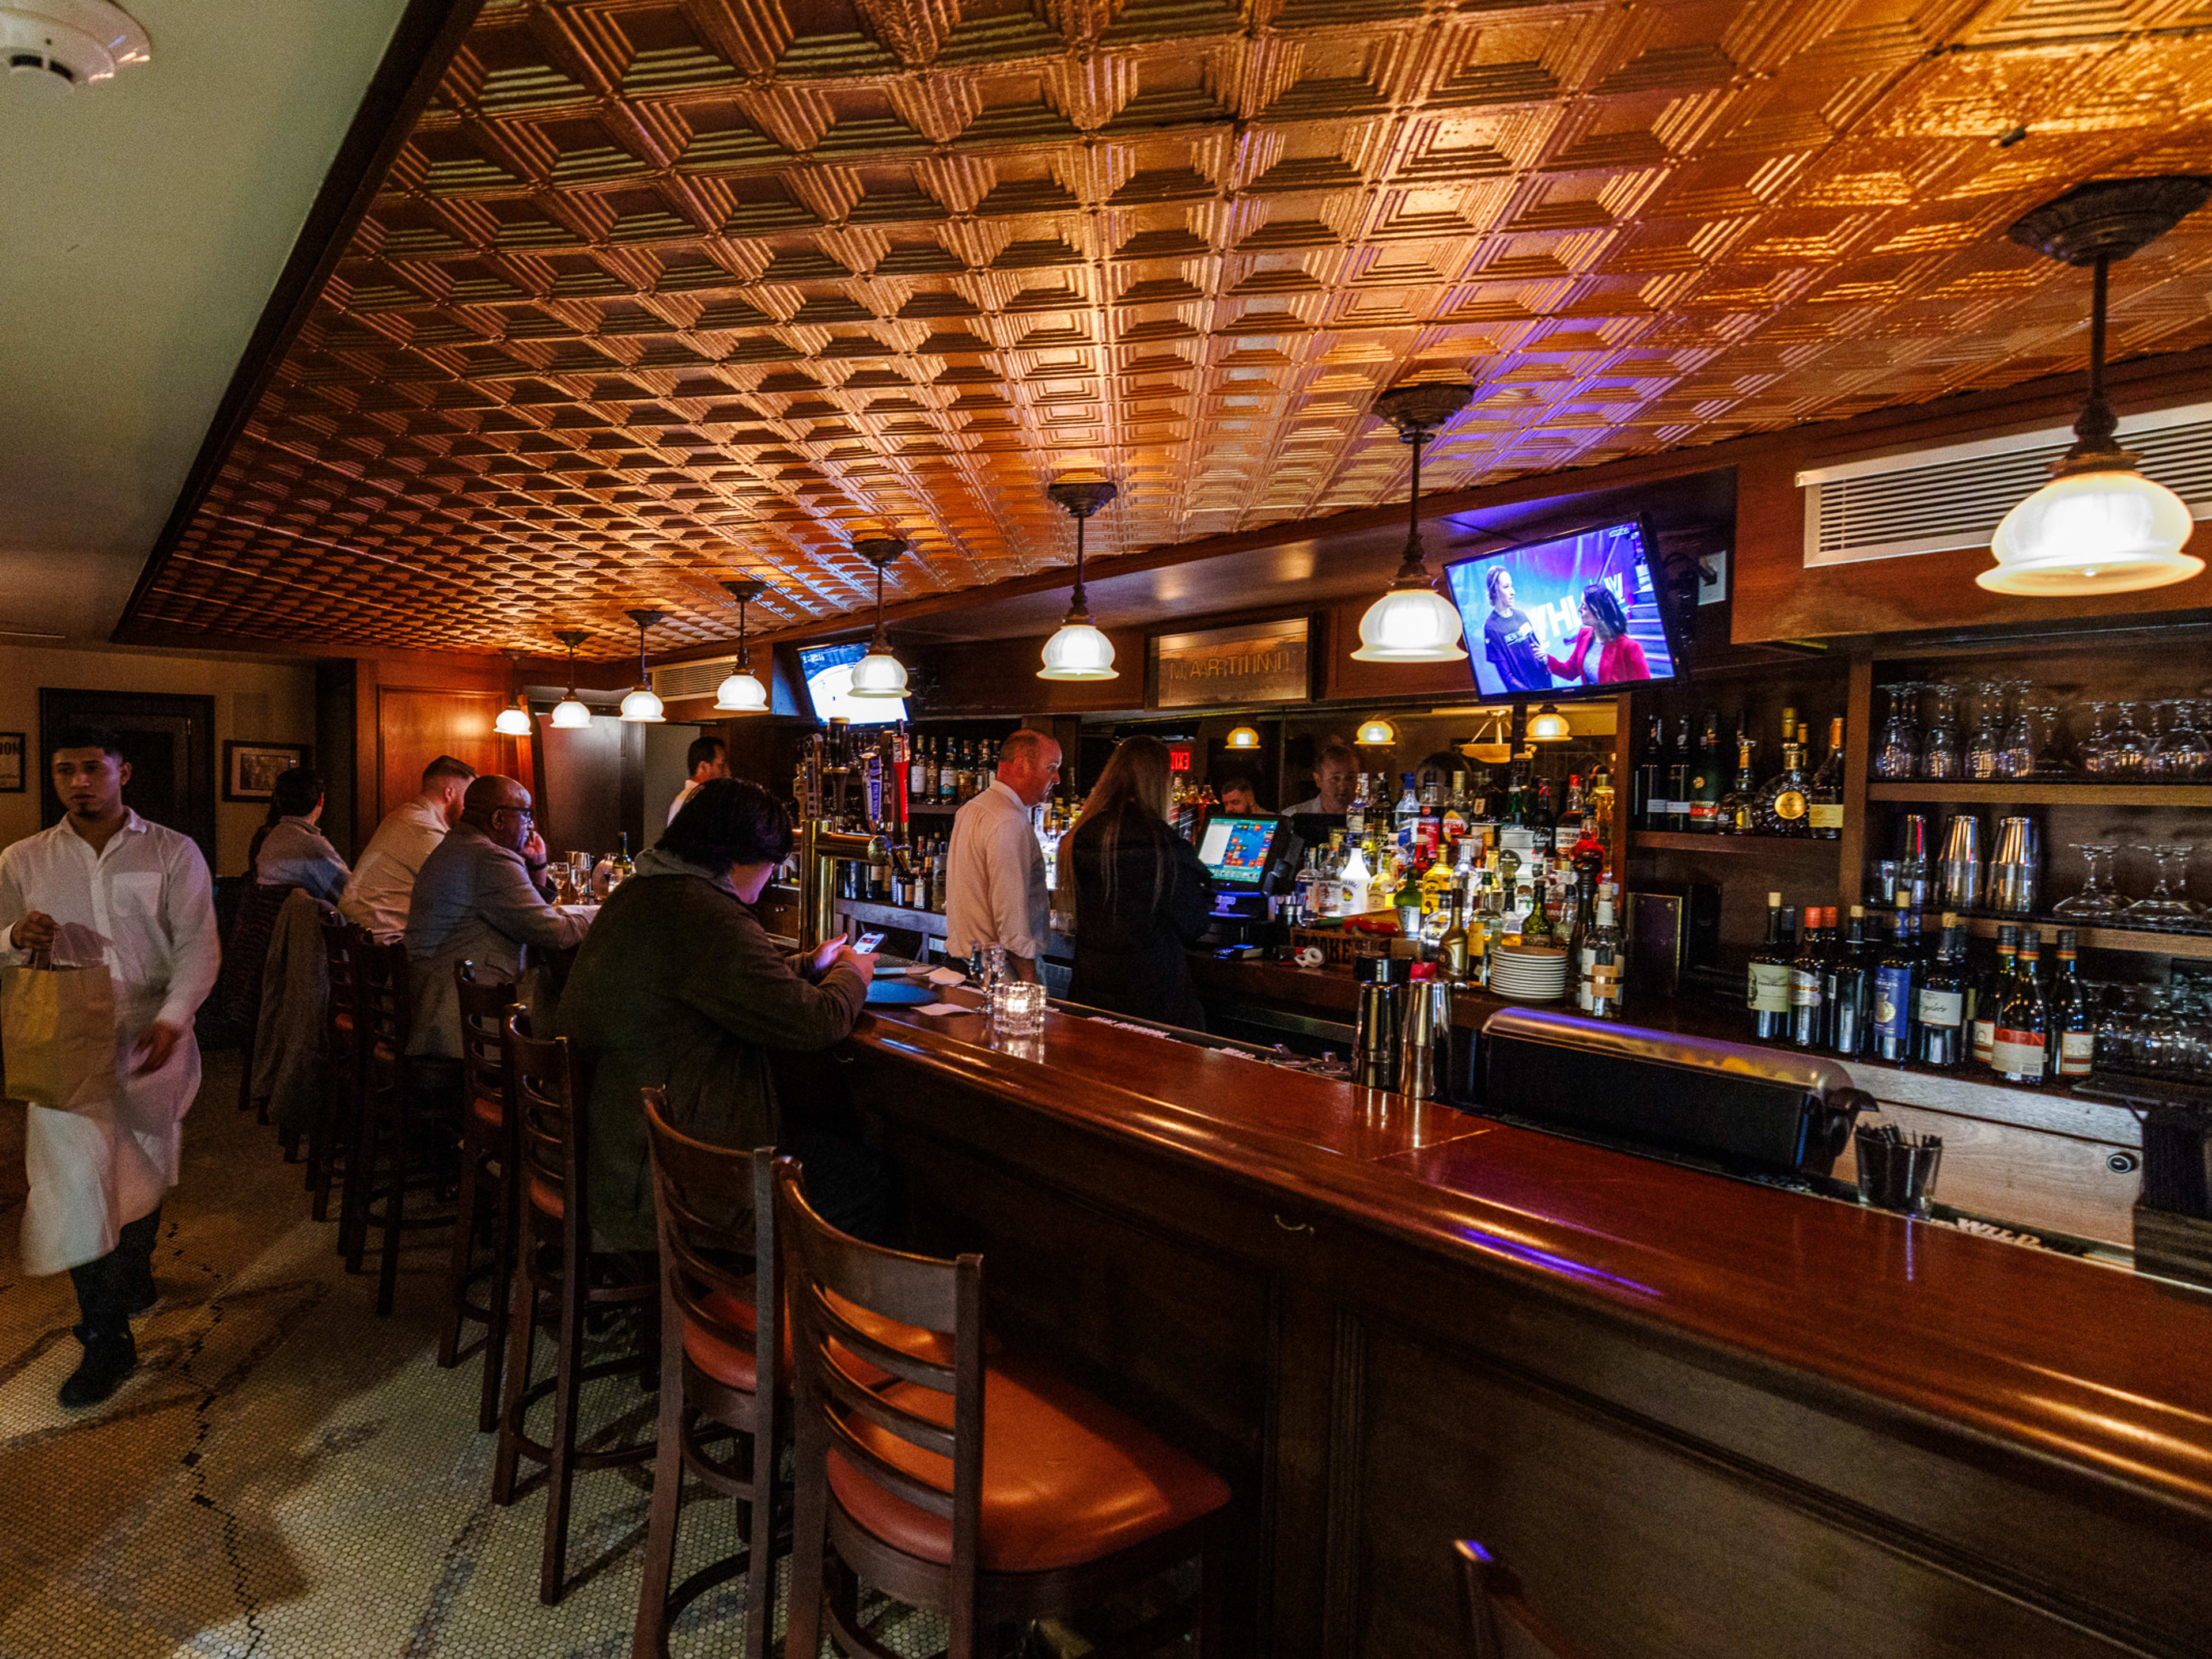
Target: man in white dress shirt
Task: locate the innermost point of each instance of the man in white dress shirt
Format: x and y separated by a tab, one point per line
709	759
383	882
104	885
994	891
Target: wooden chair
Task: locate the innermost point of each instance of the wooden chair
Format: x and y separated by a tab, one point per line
715	1346
330	1139
1490	1598
995	1491
488	1176
559	1280
390	1150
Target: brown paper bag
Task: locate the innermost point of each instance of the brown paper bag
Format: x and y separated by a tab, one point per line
57	1037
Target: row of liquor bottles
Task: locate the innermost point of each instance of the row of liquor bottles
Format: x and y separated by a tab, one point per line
1849	993
1682	787
946	771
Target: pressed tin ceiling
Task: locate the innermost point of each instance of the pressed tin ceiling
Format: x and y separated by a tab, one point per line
660	293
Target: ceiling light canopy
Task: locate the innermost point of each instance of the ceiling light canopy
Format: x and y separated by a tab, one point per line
740	692
641	706
879	674
1413	623
571	713
1079	651
1242	737
2099	525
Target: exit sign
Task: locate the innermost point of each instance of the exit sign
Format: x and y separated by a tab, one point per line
1178	757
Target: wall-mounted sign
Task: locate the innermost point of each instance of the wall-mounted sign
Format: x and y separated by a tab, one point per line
1250	663
11	764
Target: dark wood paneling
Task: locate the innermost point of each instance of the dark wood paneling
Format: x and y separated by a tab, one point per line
414	727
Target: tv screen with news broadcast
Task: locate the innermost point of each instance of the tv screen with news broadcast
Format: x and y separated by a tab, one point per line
828	672
1576	615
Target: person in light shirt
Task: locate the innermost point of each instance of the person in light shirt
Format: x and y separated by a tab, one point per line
994	891
1336	776
709	759
105	886
383	882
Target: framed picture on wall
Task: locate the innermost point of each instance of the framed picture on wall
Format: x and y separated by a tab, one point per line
250	771
12	764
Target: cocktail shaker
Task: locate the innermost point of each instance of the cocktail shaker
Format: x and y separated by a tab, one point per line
1377	1037
1424	1041
1961	869
2015	881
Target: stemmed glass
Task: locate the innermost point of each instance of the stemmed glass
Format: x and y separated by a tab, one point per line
1893	756
2096	897
2094	753
1982	748
2169	900
2182	752
580	876
2127	750
2020	751
1940	744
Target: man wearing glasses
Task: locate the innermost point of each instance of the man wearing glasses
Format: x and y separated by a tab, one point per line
481	897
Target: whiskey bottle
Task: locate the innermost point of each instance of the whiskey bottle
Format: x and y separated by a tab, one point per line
1896	987
1767	986
1826	812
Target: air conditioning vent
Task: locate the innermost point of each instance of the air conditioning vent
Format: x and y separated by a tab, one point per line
691	679
1934	500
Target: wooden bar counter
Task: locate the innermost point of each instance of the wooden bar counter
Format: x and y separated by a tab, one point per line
1697	1416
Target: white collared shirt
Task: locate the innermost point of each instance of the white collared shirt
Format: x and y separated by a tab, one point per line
683	799
994	891
376	898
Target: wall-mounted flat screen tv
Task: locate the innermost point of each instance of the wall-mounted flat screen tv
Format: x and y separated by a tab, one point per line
1574	616
828	670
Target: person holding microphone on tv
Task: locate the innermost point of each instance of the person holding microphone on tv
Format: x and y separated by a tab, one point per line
1509	640
1620	659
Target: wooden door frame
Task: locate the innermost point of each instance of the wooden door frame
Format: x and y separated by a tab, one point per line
62	705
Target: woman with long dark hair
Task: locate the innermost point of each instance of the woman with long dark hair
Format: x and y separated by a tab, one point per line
1620	659
1141	895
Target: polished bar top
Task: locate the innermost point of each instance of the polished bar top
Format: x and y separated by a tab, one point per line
1874	1315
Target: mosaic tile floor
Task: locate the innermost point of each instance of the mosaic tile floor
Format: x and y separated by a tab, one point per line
288	1477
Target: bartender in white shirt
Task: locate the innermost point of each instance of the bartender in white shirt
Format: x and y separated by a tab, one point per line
994	891
376	898
104	885
709	759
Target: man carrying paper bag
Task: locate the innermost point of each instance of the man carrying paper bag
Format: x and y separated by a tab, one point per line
110	895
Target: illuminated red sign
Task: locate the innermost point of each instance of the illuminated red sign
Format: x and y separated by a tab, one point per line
1178	757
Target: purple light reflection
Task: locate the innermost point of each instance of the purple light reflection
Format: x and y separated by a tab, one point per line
1548	1262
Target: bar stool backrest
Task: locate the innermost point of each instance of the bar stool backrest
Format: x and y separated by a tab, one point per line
381	1005
1490	1598
549	1128
341	1014
712	1252
484	1004
827	1267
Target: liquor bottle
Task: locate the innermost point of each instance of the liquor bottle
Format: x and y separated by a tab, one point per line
1452	948
1569	829
1825	813
1808	1026
1992	991
619	867
1896	988
1650	801
1353	882
2021	1052
1940	1016
1602	953
1406	816
1678	780
2073	1020
1452	825
1329	887
1735	809
1542	820
1767	991
1705	804
1783	802
1355	814
1847	985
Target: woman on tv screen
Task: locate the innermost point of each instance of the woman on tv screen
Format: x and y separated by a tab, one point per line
1605	625
1510	640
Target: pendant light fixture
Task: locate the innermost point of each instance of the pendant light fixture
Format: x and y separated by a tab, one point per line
1492	743
1413	623
2098	526
571	713
513	720
1240	737
1078	651
1377	733
1548	725
879	674
641	706
740	693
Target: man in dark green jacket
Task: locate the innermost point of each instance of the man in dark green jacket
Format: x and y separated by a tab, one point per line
678	985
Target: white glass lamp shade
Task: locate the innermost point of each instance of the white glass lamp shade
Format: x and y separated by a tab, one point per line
878	674
1548	725
640	706
1410	624
2092	532
741	694
1079	651
1242	737
513	722
571	713
1375	734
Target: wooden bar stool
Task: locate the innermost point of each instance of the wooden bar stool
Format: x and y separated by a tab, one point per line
389	1143
995	1491
714	1348
329	1142
489	1178
1490	1598
559	1280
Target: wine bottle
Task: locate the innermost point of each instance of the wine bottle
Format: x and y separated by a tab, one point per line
1993	992
1940	1015
1767	986
1678	780
2073	1020
1896	983
1706	779
1650	803
2021	1051
1847	984
1807	1006
1825	813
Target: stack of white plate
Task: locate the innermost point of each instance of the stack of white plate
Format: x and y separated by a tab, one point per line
1528	973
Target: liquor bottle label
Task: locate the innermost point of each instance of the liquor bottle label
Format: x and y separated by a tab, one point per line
1791	805
2017	1054
1893	1003
1769	989
2077	1050
1985	1033
1826	814
1704	811
1804	989
1942	1008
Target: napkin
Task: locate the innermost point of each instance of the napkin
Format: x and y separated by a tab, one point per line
947	1008
945	976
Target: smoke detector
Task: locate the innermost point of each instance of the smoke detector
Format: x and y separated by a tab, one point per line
70	41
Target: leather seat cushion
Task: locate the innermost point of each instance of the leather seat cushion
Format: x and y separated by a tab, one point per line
546	1199
487	1110
1067	1479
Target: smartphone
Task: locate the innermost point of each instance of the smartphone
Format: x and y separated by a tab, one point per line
868	944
